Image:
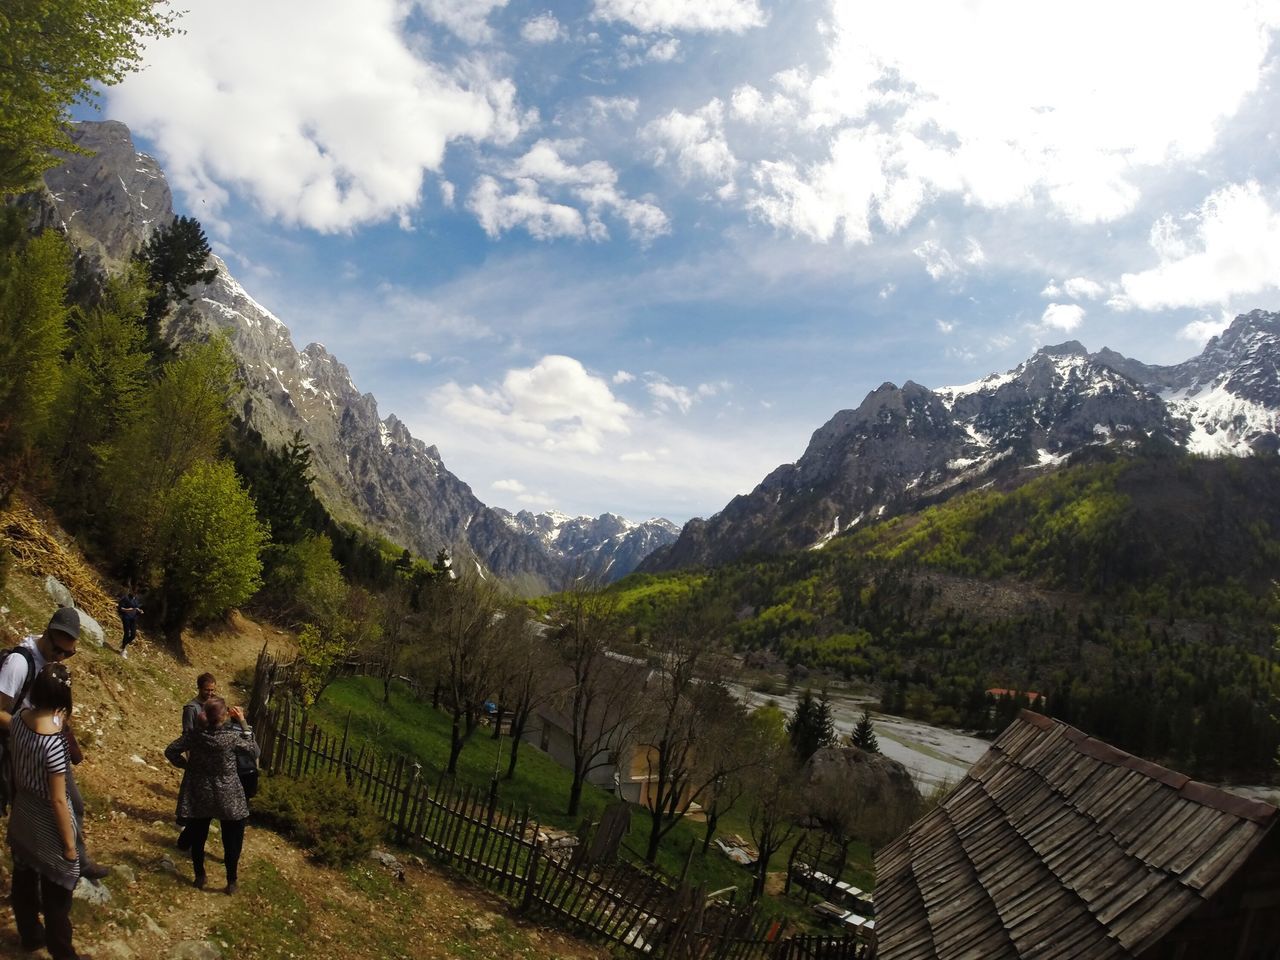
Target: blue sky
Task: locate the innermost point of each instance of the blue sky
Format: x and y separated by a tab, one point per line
627	255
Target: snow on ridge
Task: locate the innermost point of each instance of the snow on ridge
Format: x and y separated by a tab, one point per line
1222	422
992	381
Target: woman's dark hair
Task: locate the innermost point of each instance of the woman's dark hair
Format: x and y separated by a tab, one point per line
214	712
52	688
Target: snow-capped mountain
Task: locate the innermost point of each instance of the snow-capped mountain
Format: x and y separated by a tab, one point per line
607	546
368	469
909	446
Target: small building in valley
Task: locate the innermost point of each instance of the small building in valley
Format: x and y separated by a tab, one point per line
1057	845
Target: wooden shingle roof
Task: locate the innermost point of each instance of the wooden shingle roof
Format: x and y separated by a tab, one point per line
1059	845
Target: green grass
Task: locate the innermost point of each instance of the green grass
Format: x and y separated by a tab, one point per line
413	728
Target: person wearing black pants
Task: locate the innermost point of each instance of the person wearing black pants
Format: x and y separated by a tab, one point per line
34	895
211	787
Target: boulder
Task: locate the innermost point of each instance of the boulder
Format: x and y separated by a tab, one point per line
90	628
860	794
58	593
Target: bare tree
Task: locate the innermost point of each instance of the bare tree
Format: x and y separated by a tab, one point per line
464	627
775	806
689	714
601	695
530	682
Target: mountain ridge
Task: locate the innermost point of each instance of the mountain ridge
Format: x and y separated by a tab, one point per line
368	468
903	447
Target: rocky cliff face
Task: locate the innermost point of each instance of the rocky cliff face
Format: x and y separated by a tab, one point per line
607	546
908	446
369	469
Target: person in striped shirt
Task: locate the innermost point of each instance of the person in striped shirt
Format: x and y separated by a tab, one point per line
43	828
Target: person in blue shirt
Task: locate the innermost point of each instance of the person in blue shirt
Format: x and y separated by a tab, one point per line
129	610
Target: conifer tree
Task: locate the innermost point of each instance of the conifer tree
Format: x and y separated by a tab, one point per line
811	725
175	259
864	734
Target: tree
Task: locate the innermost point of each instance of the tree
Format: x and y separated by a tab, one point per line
775	806
53	55
104	388
531	681
33	334
602	695
811	725
208	547
864	734
182	423
175	258
689	713
465	618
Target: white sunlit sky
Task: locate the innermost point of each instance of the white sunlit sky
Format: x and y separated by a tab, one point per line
627	255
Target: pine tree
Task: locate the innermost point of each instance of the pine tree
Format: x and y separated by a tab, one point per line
175	259
864	734
811	725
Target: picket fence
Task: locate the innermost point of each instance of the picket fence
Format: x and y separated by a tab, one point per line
499	847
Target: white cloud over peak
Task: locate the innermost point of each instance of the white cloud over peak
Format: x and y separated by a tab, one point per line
693	142
667	394
544	28
623	376
508	486
1062	316
554	405
1077	288
666	15
941	265
321	114
466	18
1229	247
901	115
1199	331
594	185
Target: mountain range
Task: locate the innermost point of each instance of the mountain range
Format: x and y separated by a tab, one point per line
369	469
900	449
909	446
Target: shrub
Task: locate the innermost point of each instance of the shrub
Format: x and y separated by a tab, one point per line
322	814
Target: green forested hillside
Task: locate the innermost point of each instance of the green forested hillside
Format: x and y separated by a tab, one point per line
1135	593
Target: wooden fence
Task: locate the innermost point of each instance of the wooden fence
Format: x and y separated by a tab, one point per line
503	849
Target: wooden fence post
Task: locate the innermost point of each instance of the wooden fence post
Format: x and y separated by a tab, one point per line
406	802
531	878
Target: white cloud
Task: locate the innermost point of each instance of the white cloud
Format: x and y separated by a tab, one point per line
592	184
622	376
637	456
1082	288
667	394
1199	331
447	193
420	356
601	109
694	142
704	16
467	18
554	405
499	212
1051	290
938	262
750	105
1227	248
321	114
934	111
945	326
544	28
508	486
1062	316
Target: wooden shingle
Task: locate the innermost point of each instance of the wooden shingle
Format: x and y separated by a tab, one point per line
1057	845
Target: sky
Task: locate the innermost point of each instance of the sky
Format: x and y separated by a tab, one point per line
627	255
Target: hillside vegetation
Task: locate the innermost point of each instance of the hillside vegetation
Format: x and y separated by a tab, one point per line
1134	592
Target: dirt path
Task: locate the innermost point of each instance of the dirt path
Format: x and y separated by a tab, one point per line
127	711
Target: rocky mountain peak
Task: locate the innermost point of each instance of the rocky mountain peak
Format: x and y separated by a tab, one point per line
368	470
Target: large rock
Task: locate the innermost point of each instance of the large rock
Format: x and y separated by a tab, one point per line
860	794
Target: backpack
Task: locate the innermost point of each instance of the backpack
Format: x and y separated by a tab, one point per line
5	766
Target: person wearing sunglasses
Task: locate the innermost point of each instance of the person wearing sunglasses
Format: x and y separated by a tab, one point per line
20	668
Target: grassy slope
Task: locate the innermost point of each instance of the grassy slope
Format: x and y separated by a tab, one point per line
413	728
287	907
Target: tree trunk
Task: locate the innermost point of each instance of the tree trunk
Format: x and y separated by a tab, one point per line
712	819
456	741
655	834
517	732
575	794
